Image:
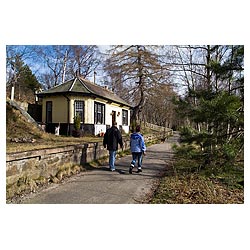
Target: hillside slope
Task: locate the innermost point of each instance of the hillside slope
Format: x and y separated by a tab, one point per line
18	126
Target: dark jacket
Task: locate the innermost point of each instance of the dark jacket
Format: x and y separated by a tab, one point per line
111	138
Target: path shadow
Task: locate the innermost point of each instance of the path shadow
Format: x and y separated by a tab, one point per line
106	169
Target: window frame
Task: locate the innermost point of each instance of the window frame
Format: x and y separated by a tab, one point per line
78	109
99	113
124	117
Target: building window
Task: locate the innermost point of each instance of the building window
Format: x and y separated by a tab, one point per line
125	117
99	113
79	109
49	112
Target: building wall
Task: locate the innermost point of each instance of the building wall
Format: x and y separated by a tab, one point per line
89	111
59	109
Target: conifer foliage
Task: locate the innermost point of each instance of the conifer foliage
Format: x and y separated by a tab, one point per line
213	113
22	78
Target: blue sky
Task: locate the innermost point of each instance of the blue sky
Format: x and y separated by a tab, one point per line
40	67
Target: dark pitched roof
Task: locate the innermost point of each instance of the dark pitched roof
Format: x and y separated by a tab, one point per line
82	86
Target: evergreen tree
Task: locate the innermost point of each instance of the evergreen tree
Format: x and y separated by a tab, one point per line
22	78
27	79
215	132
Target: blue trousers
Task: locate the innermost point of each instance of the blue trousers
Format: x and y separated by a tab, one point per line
112	155
137	156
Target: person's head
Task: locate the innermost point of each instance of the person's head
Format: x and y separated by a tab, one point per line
138	128
114	124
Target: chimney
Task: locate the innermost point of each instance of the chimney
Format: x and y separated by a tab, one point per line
94	76
78	74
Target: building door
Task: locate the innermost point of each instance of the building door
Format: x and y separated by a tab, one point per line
113	117
49	112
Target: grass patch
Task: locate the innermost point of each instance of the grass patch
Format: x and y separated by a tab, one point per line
48	141
195	189
189	183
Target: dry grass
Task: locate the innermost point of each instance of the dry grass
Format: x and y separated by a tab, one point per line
49	141
195	189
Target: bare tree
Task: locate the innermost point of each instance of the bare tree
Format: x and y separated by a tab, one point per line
159	108
55	59
194	67
83	60
135	69
63	62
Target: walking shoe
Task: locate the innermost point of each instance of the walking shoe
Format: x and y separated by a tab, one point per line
131	168
112	170
139	170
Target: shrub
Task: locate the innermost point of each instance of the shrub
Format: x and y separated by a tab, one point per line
77	122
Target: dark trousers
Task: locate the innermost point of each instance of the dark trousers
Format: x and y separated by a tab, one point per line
137	156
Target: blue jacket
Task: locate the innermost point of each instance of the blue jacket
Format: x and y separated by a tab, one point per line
137	143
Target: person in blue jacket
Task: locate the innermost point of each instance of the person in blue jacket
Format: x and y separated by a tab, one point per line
138	148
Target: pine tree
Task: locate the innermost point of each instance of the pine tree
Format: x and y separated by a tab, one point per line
24	81
216	121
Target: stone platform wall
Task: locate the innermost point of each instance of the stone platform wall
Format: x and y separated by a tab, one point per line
25	171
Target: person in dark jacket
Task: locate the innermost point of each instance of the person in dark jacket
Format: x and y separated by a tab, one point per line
111	139
138	148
